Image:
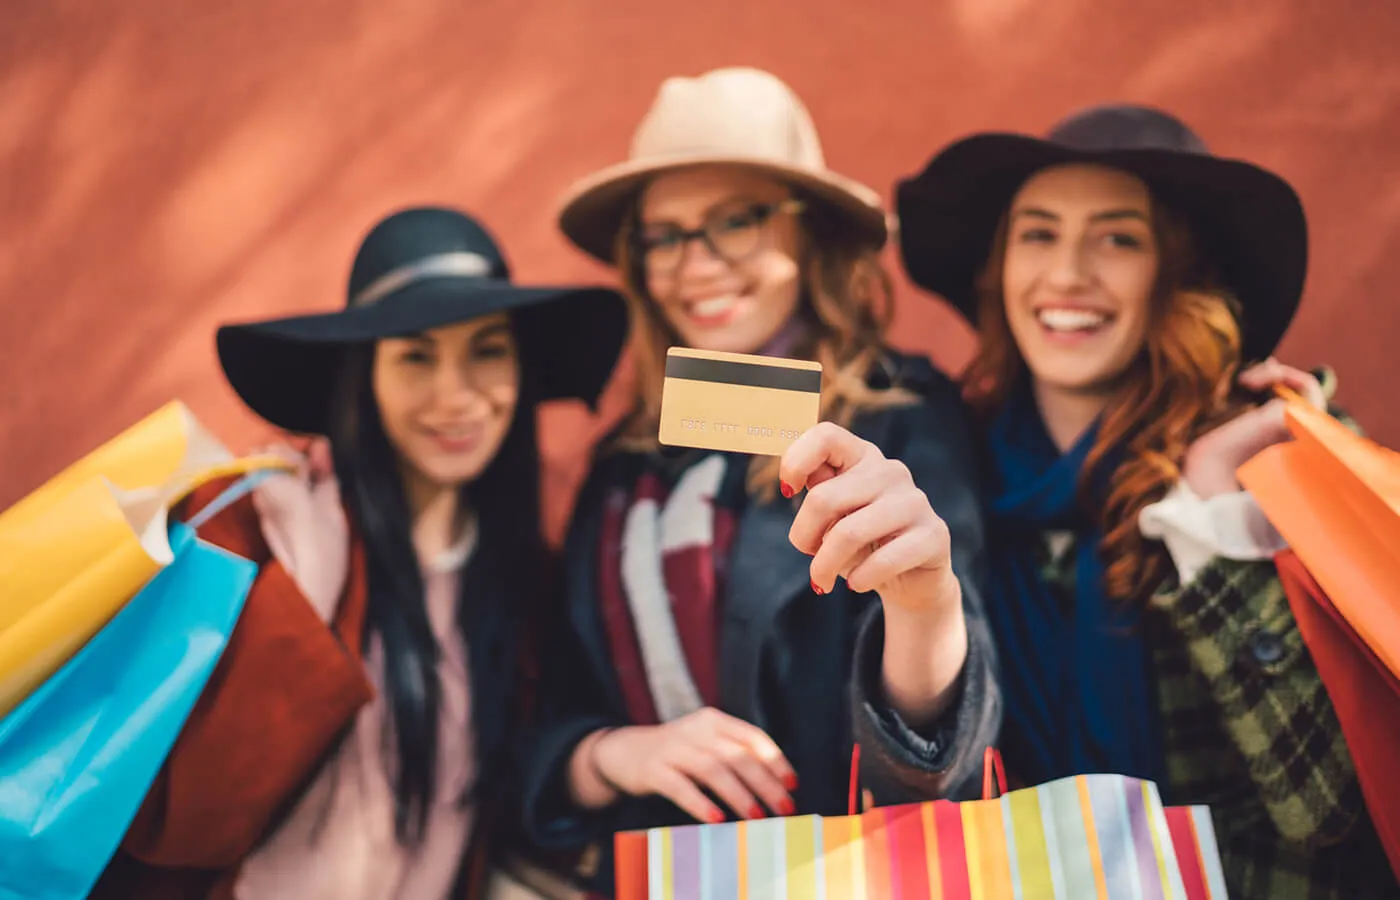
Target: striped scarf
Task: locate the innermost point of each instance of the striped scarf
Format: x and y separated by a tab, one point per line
663	555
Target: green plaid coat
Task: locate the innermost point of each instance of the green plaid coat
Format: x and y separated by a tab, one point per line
1250	730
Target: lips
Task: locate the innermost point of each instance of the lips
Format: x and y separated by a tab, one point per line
456	439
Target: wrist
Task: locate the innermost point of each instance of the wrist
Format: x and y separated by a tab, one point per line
926	600
924	653
589	785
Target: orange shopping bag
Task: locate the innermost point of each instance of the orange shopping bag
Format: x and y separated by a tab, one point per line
1335	498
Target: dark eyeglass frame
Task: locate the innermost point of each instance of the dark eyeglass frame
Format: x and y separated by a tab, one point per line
762	212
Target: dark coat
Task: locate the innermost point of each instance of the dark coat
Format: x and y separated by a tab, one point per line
804	668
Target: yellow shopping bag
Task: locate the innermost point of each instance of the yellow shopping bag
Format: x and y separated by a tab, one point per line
75	550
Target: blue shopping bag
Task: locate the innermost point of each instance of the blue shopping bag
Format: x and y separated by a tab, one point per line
78	755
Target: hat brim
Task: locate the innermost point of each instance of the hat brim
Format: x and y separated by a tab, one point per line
285	369
1248	221
595	208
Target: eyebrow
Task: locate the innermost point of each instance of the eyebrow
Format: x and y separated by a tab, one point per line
493	330
1108	215
738	203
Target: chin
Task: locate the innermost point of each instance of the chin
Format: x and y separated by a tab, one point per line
456	473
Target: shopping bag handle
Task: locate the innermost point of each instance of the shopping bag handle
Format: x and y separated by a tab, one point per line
991	762
229	496
851	802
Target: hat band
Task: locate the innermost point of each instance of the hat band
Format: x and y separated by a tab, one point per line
461	262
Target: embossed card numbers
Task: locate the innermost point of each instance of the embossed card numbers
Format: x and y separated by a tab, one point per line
737	402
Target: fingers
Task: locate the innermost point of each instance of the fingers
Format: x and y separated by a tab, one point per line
923	546
709	770
677	787
761	746
846	544
757	778
826	504
823	444
1264	375
318	458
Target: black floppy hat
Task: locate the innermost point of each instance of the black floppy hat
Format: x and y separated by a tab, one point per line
419	269
1248	221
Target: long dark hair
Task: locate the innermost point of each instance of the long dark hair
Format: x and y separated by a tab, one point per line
501	587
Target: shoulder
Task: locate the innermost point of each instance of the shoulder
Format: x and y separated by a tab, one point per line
937	411
916	374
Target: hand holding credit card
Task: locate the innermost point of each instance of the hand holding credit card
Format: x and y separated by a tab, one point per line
737	402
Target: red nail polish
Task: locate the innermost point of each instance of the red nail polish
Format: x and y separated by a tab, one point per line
816	588
756	812
786	489
790	782
786	808
715	817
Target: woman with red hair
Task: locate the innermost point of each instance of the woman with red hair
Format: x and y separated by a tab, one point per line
1130	288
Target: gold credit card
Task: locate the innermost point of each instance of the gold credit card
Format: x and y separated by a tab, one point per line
737	402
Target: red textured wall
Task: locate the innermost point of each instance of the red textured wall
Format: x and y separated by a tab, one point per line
165	166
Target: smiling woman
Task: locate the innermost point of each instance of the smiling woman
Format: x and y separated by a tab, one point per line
736	623
1124	280
355	740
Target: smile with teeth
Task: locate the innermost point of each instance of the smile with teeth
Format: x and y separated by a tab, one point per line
1072	320
713	306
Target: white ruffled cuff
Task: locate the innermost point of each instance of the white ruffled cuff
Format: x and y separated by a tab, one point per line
1195	531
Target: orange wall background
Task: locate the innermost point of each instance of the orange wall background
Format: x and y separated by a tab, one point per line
166	166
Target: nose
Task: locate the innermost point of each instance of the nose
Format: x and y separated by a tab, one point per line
1070	267
456	390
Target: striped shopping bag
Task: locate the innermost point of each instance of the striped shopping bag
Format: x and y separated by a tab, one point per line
1091	836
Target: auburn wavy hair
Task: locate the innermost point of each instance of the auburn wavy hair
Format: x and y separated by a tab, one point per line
1179	386
846	298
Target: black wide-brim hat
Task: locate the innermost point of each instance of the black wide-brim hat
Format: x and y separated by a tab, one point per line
1247	221
417	270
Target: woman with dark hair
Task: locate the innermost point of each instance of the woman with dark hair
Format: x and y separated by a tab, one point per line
1129	288
355	740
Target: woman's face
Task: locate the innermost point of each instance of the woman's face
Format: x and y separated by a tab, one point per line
1081	264
734	288
447	398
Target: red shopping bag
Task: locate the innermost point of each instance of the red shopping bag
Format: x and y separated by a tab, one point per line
1365	694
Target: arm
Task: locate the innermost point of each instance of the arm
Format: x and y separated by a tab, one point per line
276	702
905	758
1242	638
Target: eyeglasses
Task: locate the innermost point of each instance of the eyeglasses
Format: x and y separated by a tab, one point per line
730	233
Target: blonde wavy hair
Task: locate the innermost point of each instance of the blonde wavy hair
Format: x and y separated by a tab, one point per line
1179	387
846	298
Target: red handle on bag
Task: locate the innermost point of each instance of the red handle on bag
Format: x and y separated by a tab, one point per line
991	761
991	764
851	808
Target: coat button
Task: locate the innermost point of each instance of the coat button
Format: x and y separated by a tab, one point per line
1266	647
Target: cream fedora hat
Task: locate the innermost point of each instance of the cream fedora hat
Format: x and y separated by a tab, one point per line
735	116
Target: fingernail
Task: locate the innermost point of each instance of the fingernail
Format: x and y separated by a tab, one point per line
790	781
816	588
786	489
786	807
756	812
715	817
